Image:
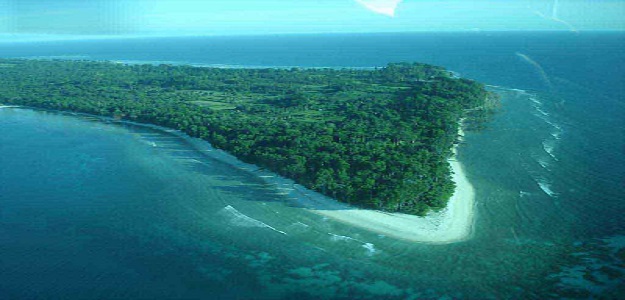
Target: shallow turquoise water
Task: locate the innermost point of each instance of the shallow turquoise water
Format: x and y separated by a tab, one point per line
90	209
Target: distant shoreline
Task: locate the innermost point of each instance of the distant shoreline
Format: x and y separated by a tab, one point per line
452	224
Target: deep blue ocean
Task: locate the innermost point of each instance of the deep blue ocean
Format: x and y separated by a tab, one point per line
92	209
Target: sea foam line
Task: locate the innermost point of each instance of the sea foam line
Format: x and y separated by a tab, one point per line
557	131
241	220
543	163
538	105
453	224
557	134
540	110
369	246
545	186
549	148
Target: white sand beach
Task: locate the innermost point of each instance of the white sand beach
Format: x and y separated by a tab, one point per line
452	224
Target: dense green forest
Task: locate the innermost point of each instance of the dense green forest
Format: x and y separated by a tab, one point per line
373	138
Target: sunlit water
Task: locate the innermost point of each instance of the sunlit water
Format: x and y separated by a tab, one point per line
93	209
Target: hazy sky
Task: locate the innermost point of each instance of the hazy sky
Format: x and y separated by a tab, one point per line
217	17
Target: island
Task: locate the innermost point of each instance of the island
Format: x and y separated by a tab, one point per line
378	138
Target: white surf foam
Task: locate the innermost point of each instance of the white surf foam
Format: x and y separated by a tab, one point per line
546	187
149	143
549	147
239	219
541	111
336	237
538	105
535	100
370	248
520	91
448	226
545	118
543	163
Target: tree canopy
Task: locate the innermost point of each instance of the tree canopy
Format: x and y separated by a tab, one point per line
373	138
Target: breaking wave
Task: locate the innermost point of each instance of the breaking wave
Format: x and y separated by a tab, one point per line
549	146
336	237
543	163
542	112
545	186
369	246
236	218
555	134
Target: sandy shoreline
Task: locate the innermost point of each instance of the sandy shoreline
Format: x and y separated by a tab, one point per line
452	224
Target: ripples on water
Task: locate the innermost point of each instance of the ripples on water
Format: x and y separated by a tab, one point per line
156	218
246	225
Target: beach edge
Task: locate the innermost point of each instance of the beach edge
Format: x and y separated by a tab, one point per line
452	224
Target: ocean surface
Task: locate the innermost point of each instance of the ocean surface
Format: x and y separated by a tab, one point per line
93	209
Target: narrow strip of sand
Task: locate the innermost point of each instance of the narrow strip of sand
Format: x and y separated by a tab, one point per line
452	224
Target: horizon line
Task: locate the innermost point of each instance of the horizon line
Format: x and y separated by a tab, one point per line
52	37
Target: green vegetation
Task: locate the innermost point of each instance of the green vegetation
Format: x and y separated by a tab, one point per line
374	138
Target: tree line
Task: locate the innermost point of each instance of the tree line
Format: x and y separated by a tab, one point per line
373	138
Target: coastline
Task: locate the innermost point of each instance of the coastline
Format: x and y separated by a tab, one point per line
452	224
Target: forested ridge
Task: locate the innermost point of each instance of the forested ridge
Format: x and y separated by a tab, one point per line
373	138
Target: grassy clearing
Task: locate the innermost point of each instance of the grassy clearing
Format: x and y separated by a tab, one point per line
214	105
